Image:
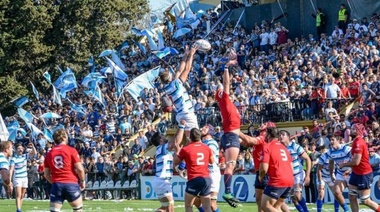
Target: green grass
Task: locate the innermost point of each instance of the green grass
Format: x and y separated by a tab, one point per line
127	205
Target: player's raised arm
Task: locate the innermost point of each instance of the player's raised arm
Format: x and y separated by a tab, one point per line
189	63
182	66
249	141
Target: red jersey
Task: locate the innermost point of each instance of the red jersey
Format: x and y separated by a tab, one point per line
230	114
359	146
197	157
257	152
280	170
353	88
60	160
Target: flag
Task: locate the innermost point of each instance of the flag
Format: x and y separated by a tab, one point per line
161	54
152	44
118	73
96	94
117	61
161	41
48	134
92	80
35	91
35	131
137	31
66	82
20	101
346	110
145	80
141	47
47	77
123	46
25	115
4	134
56	96
60	70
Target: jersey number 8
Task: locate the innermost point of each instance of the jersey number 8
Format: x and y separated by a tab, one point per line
58	162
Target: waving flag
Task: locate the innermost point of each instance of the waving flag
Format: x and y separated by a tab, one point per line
66	82
34	90
119	74
93	79
47	77
161	41
25	115
123	46
117	61
96	94
35	131
141	47
20	101
48	134
106	52
56	96
145	80
181	32
4	134
137	31
161	54
152	44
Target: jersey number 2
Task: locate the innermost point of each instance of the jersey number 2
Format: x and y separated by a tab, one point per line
58	162
284	157
200	158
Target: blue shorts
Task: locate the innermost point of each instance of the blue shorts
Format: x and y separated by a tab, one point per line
363	182
263	184
276	193
199	186
230	139
64	191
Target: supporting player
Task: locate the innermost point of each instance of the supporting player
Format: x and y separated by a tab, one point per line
258	144
337	155
197	156
231	126
6	151
323	178
18	165
162	185
62	166
300	178
361	176
207	133
175	89
277	163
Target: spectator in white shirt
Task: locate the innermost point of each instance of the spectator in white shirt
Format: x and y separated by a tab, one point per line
264	40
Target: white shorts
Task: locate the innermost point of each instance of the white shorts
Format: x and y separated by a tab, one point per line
343	178
326	180
299	178
190	118
215	181
21	182
162	187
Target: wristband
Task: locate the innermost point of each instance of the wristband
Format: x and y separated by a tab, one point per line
81	181
181	127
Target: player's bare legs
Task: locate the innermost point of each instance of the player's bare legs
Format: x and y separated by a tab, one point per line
20	193
268	204
365	197
337	190
167	204
231	155
77	204
297	194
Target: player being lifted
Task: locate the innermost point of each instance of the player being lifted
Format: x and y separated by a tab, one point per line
175	89
162	185
231	126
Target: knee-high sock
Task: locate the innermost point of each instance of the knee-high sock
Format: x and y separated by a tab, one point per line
303	204
227	183
319	205
336	206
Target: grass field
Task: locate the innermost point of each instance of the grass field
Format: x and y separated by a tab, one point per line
126	205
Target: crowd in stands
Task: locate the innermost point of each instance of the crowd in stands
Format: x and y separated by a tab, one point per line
278	79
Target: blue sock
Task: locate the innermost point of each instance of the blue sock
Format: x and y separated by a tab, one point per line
299	208
227	183
217	210
18	210
200	209
319	205
345	207
303	204
336	206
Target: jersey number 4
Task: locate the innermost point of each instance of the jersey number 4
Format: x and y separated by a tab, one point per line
284	157
58	162
200	158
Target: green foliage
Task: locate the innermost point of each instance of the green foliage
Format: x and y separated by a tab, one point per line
36	36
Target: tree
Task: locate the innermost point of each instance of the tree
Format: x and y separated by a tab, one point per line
40	35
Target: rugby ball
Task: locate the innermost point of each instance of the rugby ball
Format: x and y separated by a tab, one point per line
203	45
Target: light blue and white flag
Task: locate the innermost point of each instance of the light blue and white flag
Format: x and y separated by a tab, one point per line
56	96
20	101
161	41
66	82
25	115
117	71
4	133
36	94
47	77
141	47
145	80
